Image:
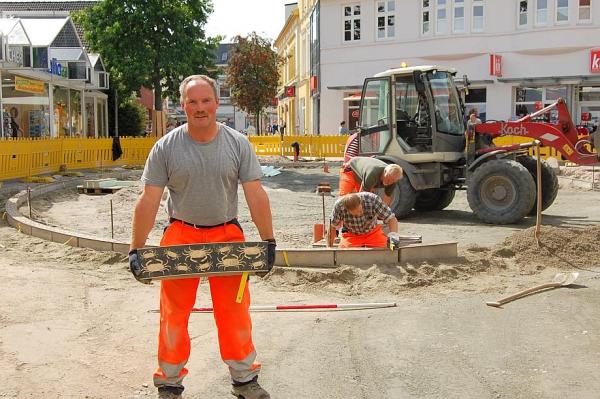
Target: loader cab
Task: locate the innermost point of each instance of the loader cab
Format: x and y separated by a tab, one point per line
414	114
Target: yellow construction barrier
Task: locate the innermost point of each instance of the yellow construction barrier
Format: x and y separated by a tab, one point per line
29	157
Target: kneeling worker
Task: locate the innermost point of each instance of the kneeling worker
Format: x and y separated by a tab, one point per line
368	174
359	213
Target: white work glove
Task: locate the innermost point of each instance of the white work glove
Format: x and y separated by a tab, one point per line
393	240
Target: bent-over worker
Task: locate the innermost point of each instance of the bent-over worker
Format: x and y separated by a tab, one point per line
369	174
359	213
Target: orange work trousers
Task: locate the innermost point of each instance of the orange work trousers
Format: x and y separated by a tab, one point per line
374	239
177	298
348	183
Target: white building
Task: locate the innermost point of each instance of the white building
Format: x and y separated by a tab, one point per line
541	50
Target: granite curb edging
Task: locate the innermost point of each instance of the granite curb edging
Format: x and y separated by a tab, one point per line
291	257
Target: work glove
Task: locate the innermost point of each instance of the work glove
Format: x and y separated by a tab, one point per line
393	240
136	267
271	247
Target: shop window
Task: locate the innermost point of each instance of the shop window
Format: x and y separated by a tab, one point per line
441	21
541	12
523	10
476	100
478	16
77	70
61	111
527	99
458	24
562	11
585	11
351	23
40	57
76	116
386	24
425	17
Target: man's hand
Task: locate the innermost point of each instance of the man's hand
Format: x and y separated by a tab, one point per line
136	267
271	247
393	240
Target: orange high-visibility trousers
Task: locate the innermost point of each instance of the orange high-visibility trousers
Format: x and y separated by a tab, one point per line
348	183
374	239
177	298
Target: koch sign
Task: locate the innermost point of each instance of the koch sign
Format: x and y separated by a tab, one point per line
595	61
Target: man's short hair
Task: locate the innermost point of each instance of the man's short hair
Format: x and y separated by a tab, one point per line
199	78
393	170
350	201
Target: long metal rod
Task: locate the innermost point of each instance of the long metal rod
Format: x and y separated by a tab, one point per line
538	218
341	306
112	221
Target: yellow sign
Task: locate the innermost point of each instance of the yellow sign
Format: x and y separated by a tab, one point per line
567	149
29	85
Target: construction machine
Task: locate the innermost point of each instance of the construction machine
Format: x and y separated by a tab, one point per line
415	117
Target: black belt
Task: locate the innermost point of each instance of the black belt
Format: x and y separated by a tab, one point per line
200	226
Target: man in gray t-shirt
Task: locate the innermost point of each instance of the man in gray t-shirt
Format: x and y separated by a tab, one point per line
200	164
371	173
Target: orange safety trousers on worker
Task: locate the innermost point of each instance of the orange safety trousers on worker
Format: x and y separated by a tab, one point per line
348	183
177	298
374	239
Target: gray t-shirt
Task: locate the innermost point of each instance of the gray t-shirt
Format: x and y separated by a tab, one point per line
368	171
202	178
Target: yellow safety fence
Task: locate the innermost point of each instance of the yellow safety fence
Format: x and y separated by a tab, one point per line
29	157
310	146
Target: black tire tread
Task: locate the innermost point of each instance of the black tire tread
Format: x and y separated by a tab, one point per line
434	199
549	182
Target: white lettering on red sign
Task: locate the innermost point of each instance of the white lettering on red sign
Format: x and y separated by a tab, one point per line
507	130
595	61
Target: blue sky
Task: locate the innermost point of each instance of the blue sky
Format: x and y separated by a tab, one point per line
233	17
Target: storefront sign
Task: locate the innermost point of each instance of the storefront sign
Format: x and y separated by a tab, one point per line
290	91
586	116
29	85
595	61
496	65
355	113
57	69
314	83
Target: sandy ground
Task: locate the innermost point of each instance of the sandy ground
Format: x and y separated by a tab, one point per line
74	324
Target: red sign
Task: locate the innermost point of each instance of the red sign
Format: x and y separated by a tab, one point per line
290	91
313	83
496	65
538	105
595	61
274	102
586	116
355	113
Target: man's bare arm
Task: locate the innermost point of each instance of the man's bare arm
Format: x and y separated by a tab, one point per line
144	215
260	208
393	224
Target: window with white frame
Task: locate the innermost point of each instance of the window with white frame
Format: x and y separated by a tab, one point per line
541	12
562	11
351	22
441	19
425	17
458	24
585	11
478	16
523	10
386	23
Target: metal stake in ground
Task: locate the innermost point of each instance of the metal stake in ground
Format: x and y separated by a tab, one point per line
538	217
324	189
112	222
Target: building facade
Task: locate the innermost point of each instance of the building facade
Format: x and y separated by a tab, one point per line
517	54
51	85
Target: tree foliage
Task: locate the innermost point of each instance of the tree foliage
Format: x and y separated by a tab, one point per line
252	74
132	118
155	43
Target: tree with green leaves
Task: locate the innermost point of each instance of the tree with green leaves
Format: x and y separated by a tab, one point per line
154	43
252	74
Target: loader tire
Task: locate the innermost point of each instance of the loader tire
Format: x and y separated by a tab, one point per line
403	198
549	182
434	199
501	191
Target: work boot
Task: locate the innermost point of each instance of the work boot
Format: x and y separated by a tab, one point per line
168	394
250	390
